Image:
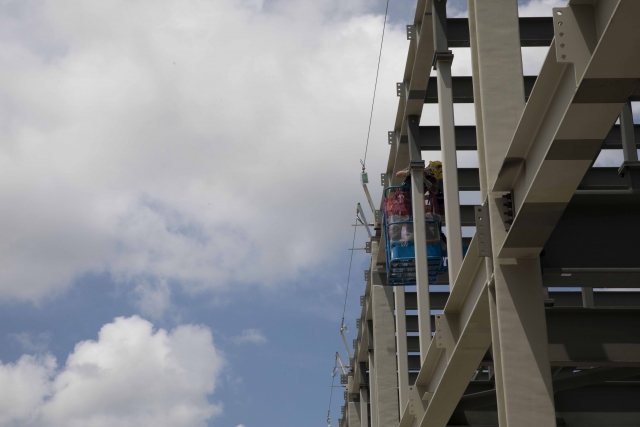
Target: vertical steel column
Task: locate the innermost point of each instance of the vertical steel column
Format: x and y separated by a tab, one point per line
523	378
496	370
477	96
442	62
353	414
364	407
401	338
629	149
419	236
385	406
524	352
373	400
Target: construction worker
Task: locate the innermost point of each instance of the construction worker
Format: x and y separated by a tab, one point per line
432	174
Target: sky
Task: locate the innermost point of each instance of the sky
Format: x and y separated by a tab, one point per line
178	180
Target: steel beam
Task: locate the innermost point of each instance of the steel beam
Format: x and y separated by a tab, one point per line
385	397
373	390
602	298
364	407
516	305
419	233
534	31
566	119
590	337
401	338
569	381
415	81
462	89
442	62
429	138
596	179
353	414
462	338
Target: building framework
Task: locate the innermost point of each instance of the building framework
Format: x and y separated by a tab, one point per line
521	338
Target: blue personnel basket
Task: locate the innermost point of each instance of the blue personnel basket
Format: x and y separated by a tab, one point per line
400	249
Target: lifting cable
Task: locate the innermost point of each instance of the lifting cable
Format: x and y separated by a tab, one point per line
333	378
343	327
346	293
375	87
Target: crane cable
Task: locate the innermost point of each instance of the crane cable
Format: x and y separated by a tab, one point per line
375	87
333	378
346	293
363	163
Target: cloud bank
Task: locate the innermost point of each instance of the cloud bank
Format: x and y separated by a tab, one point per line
205	144
131	376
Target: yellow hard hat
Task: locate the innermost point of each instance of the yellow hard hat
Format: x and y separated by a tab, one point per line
436	169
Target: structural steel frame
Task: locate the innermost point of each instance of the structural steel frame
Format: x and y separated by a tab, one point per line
512	343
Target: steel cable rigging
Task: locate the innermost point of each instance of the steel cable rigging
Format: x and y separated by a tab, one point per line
343	327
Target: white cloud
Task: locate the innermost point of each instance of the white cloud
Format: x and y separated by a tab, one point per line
200	143
252	336
23	388
210	144
131	376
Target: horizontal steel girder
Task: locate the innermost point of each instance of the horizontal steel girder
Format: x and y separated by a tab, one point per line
602	299
616	400
534	31
578	337
463	90
595	179
429	138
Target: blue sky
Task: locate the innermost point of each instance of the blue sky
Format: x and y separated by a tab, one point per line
178	180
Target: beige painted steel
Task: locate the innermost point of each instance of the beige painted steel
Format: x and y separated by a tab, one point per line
499	76
524	353
443	61
450	169
448	367
384	407
364	413
353	414
482	169
373	390
401	338
497	355
477	96
552	115
523	379
420	245
511	311
443	375
416	78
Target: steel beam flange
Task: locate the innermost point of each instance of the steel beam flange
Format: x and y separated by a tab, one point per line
443	55
483	231
411	32
574	28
